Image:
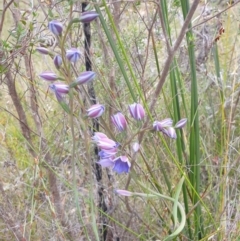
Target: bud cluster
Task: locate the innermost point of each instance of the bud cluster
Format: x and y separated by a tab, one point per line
72	55
108	151
109	148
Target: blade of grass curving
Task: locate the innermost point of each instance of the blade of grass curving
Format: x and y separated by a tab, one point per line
194	134
179	141
152	193
176	197
174	78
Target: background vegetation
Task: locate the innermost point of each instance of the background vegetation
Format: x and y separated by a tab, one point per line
179	59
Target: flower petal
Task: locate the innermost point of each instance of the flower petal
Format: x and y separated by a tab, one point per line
48	76
180	124
121	165
57	61
137	111
119	121
89	16
106	162
95	111
73	55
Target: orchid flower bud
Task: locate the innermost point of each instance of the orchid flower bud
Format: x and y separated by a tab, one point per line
107	144
42	50
59	89
136	147
55	27
119	121
136	110
170	132
57	61
83	78
98	136
124	193
89	16
160	125
180	124
103	154
107	162
48	76
121	165
73	55
95	111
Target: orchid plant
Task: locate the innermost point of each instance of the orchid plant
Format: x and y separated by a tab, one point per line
111	153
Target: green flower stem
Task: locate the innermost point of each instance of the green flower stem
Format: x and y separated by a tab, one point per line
67	73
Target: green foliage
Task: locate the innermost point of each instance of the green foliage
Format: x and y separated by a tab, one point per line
17	146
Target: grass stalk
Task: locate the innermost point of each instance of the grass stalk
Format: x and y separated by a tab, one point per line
223	143
194	134
174	79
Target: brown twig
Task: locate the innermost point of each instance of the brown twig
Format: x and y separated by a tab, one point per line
216	15
3	15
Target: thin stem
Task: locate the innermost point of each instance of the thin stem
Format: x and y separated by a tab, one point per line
3	15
